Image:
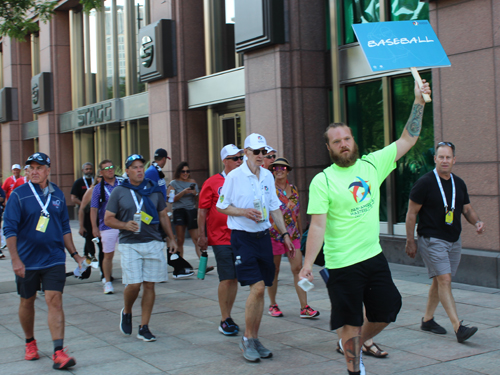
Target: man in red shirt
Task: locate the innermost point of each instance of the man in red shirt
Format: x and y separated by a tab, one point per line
8	184
22	180
219	236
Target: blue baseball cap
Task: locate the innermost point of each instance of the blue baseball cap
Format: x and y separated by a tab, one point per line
40	158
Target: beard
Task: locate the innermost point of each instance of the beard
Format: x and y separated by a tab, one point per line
345	161
89	175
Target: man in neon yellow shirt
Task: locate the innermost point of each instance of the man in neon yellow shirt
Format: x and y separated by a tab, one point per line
344	207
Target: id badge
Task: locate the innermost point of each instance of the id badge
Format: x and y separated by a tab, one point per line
43	222
145	218
448	219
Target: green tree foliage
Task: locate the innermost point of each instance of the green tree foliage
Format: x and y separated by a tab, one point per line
17	16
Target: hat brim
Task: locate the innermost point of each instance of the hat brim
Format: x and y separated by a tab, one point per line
128	165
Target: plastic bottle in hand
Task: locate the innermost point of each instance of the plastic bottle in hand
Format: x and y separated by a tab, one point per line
202	268
171	196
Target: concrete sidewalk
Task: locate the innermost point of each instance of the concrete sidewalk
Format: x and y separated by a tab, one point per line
186	318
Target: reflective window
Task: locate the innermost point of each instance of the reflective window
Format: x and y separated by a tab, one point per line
359	11
140	23
365	116
404	10
420	159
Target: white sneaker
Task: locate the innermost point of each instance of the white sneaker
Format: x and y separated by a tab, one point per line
361	364
108	288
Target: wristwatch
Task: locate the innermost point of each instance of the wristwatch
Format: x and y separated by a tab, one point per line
75	253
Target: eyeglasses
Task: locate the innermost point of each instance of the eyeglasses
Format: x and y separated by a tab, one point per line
449	144
257	152
109	167
280	168
270	156
134	157
186	171
234	158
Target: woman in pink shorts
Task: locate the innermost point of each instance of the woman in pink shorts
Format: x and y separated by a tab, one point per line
289	197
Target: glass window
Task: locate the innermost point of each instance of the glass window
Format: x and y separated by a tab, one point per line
109	48
365	116
359	11
404	10
420	159
140	22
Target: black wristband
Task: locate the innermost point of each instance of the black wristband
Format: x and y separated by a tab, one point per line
284	234
73	255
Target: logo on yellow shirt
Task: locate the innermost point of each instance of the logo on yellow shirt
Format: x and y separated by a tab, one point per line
360	190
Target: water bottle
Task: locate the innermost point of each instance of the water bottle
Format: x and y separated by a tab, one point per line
257	204
202	268
238	261
171	196
137	219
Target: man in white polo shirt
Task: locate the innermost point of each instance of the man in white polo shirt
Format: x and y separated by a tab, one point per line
247	197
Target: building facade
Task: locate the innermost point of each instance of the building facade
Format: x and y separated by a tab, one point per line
282	68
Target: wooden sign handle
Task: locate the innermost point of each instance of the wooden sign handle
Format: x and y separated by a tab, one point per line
417	78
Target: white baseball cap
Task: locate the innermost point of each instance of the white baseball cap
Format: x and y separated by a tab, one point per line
255	141
16	166
229	150
26	166
270	149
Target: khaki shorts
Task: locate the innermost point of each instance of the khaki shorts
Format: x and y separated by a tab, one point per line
143	262
440	256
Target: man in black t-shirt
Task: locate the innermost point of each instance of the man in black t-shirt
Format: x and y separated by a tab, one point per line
439	198
80	187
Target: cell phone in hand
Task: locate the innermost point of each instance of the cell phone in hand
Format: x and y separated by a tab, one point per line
192	186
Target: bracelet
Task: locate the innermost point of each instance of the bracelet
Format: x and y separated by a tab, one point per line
284	234
73	255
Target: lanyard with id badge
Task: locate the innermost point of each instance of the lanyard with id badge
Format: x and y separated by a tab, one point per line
448	218
258	203
140	215
43	221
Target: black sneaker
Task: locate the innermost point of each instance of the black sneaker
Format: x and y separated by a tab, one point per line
231	322
432	326
227	328
145	334
2	254
185	273
126	323
465	332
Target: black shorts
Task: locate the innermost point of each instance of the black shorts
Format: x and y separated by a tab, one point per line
225	262
52	278
369	283
256	252
187	218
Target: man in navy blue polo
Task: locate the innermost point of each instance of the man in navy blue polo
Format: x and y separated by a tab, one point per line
36	226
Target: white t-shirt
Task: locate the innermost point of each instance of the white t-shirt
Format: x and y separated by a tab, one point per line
240	189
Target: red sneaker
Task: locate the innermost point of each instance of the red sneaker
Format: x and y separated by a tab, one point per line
62	360
275	311
308	312
31	351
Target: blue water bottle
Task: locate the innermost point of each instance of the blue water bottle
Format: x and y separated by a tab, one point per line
202	268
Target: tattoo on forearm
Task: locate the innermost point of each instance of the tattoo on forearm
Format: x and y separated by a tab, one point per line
414	124
352	350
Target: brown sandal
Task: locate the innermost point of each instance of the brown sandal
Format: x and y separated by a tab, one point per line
377	352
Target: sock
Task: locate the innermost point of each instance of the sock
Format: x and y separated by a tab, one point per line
58	344
30	340
354	372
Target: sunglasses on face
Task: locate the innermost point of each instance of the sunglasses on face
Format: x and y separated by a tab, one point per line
235	158
270	156
449	144
186	171
257	152
280	168
109	167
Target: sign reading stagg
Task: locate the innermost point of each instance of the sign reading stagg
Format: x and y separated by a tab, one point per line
157	51
95	114
41	93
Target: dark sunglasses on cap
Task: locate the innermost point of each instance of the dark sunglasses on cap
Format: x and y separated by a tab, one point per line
257	152
449	144
108	167
186	171
270	156
234	158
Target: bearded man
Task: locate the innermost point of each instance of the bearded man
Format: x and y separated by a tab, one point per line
344	204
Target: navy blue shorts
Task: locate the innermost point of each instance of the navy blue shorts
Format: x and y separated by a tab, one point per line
366	283
52	278
256	254
225	262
